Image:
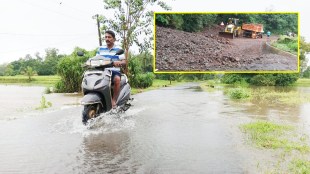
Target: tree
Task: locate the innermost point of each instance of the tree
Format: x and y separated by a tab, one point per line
2	69
29	72
9	70
49	65
196	22
131	19
304	48
306	73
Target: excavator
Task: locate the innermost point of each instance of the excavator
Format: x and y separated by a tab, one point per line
232	29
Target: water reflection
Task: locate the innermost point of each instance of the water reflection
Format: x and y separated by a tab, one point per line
106	153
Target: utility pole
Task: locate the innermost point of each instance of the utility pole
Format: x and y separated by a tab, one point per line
98	26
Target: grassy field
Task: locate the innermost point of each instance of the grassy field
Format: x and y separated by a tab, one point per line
50	81
156	85
36	80
303	82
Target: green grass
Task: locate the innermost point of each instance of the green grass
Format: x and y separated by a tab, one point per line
156	85
36	80
271	97
302	82
300	166
287	44
273	136
239	93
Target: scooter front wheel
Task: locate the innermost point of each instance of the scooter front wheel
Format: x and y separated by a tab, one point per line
89	112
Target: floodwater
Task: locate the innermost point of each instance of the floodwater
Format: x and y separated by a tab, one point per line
171	130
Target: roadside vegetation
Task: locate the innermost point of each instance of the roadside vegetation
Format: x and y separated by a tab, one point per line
273	135
300	166
284	139
35	80
286	43
44	104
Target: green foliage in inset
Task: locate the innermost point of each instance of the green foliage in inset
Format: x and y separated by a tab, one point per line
288	44
186	22
170	20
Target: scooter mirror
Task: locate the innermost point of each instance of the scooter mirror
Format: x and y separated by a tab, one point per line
80	53
119	52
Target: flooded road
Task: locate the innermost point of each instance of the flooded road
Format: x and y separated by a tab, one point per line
171	130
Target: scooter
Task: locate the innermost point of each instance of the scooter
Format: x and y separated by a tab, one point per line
97	88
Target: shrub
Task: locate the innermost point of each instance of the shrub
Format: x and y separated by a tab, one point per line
231	78
70	70
143	80
285	79
238	93
263	80
137	77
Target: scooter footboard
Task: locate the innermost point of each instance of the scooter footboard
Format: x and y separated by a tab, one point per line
124	95
91	98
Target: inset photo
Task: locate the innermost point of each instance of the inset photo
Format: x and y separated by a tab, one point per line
231	42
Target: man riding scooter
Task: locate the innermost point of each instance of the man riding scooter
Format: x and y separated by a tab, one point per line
109	51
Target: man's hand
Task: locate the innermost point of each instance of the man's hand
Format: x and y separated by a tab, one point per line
117	63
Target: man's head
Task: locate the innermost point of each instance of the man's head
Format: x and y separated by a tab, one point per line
109	38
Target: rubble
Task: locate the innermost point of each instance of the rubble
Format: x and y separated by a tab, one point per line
205	51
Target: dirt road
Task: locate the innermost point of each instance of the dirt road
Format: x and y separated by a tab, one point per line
205	51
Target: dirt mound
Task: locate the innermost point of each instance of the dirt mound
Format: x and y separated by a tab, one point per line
205	51
179	50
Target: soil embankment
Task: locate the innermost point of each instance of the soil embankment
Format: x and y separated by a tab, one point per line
205	51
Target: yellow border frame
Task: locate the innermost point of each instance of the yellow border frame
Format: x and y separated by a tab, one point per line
221	72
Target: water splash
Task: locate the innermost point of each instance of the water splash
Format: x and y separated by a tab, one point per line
108	122
112	121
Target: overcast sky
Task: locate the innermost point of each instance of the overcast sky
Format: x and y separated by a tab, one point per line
30	26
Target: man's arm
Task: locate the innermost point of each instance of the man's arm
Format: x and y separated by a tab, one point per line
120	63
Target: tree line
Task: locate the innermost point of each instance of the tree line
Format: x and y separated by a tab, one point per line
276	23
41	65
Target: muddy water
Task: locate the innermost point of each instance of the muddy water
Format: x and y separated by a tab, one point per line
171	130
19	101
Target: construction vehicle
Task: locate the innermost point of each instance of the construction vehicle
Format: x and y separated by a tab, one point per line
232	29
253	30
